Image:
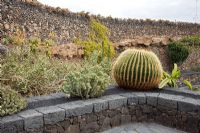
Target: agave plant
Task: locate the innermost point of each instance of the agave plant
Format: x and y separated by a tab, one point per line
190	86
170	80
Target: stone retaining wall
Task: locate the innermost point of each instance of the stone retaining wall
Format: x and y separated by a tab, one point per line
34	17
95	115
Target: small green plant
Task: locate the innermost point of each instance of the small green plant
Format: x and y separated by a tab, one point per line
190	86
177	52
18	37
48	42
196	69
191	40
6	40
34	42
90	80
137	69
97	41
106	63
170	80
10	101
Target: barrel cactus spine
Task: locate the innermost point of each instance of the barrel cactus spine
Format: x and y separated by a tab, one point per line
137	69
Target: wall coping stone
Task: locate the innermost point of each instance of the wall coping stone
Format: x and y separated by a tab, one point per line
32	119
36	118
59	98
52	114
184	91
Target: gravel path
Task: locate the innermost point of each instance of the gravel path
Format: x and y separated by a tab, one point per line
143	128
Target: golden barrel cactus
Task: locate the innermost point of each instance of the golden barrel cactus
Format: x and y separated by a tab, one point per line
137	69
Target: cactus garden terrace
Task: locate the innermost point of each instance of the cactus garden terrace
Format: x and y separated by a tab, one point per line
97	82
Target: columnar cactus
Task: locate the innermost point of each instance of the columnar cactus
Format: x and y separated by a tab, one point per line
137	69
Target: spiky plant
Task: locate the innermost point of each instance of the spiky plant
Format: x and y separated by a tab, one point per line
137	69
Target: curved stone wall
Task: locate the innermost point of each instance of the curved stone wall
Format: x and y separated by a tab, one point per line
117	107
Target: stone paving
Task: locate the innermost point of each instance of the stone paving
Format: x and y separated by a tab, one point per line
143	128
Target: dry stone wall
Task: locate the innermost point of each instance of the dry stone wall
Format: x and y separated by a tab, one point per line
34	17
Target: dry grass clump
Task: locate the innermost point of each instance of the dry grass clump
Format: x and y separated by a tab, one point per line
33	74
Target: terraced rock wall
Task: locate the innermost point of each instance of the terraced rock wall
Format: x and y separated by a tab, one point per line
34	17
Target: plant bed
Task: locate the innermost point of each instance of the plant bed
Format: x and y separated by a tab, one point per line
116	107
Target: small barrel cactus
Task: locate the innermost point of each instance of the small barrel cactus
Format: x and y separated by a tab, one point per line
10	101
137	69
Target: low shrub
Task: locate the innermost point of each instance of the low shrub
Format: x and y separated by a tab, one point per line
32	74
97	40
191	40
6	40
170	80
90	80
34	43
10	101
190	86
196	69
177	52
18	37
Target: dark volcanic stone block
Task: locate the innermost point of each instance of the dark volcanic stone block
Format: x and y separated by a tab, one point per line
77	108
168	100
52	114
132	99
12	124
152	98
115	101
189	105
32	119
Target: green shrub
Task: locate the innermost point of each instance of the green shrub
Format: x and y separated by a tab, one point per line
10	101
106	63
170	80
137	69
18	37
90	80
191	40
97	41
32	74
177	52
196	69
33	43
6	40
190	86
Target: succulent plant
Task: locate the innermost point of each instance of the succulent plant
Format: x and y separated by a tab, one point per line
10	101
87	82
170	80
137	69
